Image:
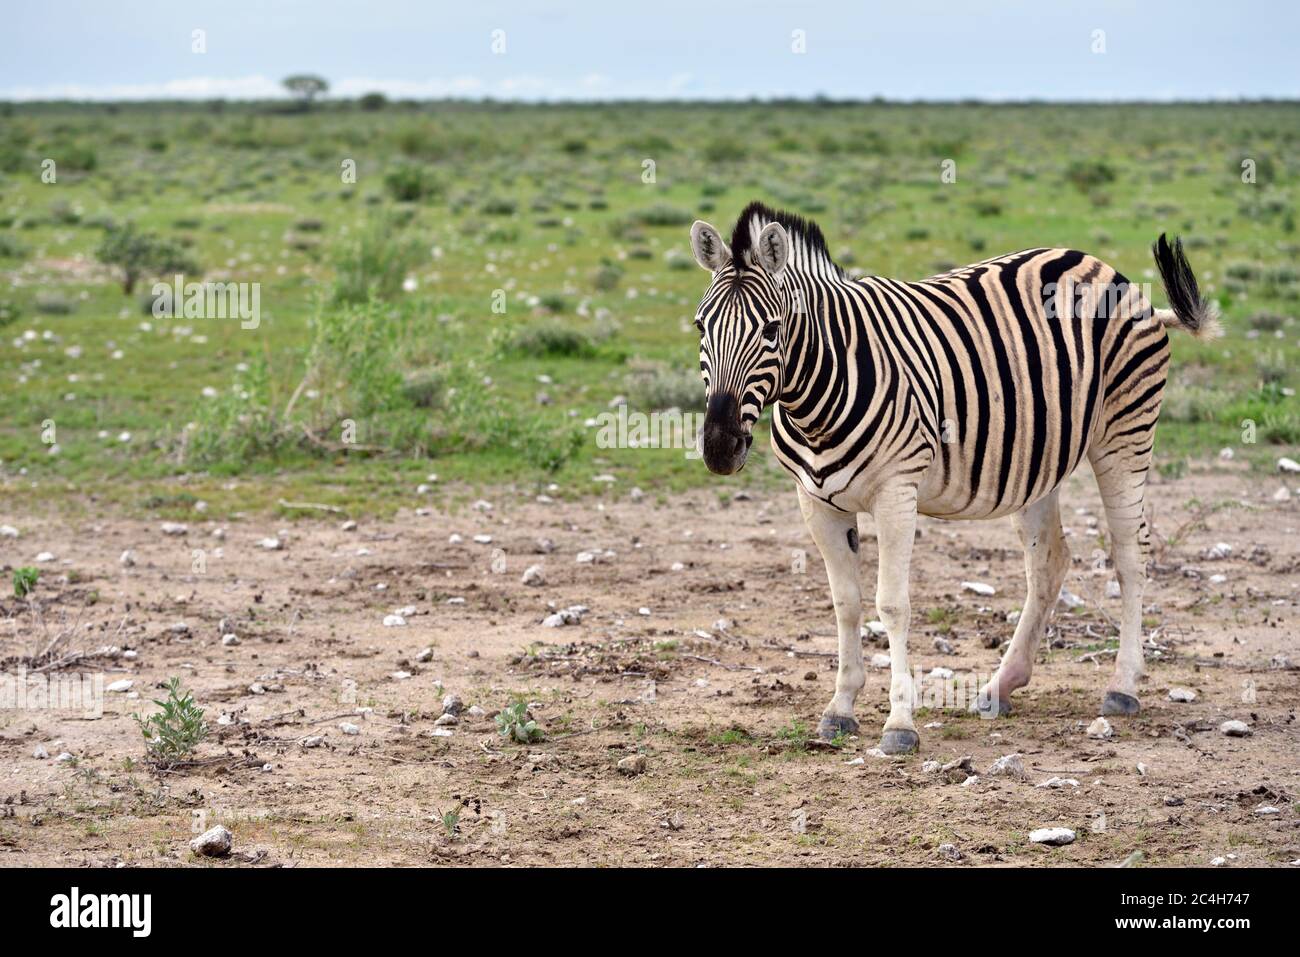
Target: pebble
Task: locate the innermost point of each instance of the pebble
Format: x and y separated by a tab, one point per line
533	576
117	687
270	544
40	754
1288	465
127	559
1235	729
880	661
315	741
1182	694
1055	783
229	639
214	843
446	720
943	646
347	727
1052	836
8	531
632	765
1100	728
451	704
349	526
1218	552
949	852
1009	765
1265	810
174	528
45	557
394	621
979	588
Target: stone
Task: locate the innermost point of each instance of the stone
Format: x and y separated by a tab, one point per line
1235	729
1100	728
117	687
174	528
635	764
533	576
216	842
1009	765
979	588
347	727
1052	836
1182	694
451	704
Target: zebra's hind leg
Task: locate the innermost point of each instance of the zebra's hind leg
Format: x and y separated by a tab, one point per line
836	535
1121	477
1046	559
895	514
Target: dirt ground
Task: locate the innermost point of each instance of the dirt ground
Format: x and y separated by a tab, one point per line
707	649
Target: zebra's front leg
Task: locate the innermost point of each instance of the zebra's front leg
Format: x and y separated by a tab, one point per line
895	514
836	535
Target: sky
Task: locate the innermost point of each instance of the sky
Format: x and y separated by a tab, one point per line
661	49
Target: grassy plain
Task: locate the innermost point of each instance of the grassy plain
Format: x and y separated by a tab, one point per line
493	276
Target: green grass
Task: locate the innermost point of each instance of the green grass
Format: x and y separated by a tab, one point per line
482	247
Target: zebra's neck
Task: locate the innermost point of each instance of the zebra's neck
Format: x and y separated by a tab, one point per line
824	334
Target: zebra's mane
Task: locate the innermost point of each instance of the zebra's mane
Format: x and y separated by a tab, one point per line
803	232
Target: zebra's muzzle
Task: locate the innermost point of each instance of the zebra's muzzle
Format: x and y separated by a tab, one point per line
724	443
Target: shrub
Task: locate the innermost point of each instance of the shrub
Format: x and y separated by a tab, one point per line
408	183
374	263
135	253
547	339
172	734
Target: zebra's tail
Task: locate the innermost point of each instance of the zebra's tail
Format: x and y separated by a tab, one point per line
1189	311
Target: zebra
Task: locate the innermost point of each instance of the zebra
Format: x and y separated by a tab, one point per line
970	395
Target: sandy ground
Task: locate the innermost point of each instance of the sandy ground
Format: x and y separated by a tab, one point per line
716	685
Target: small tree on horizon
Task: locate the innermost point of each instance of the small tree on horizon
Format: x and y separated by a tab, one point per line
306	87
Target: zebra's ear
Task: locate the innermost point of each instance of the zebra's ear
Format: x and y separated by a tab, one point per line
773	248
709	249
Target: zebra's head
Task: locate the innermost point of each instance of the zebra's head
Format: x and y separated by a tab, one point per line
740	320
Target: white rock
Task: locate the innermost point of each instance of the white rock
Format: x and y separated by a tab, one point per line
1218	861
174	528
394	621
1054	783
1235	729
347	727
315	741
270	544
876	628
1288	465
533	575
1219	551
451	704
1282	495
126	559
1267	810
400	675
979	588
349	526
1052	836
1069	599
230	638
880	661
8	531
117	687
941	674
40	753
586	558
1100	728
1112	589
64	757
45	557
1182	694
454	539
483	539
1009	765
446	720
214	843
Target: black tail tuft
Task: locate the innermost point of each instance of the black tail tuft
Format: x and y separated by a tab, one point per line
1190	311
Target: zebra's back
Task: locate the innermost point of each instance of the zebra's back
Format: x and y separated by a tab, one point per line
1023	362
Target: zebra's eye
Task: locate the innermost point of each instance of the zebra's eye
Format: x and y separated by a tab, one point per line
771	330
699	324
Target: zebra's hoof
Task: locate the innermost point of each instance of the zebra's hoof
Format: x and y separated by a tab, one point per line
1117	702
899	741
832	726
987	707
